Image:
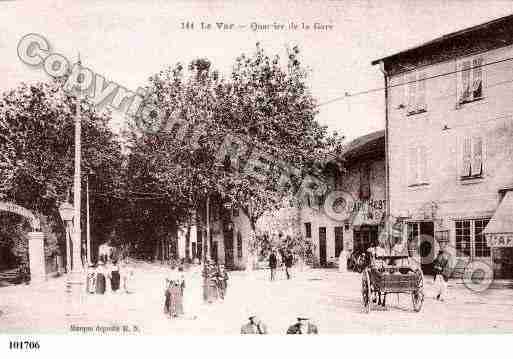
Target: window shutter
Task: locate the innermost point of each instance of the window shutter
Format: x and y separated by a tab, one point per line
412	167
467	157
421	92
477	86
465	81
477	158
365	182
423	170
412	93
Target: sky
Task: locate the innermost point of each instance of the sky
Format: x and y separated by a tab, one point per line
128	41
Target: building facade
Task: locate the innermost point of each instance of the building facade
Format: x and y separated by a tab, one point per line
350	214
350	217
230	233
449	133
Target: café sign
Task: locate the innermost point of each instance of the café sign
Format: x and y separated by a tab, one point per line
500	239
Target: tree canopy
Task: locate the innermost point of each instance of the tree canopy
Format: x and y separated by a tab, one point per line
264	108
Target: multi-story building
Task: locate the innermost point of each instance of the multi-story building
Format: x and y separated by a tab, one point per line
449	134
349	217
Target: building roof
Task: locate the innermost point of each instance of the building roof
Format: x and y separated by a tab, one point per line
369	144
454	36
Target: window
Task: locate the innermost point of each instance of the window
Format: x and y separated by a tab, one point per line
365	173
308	230
481	247
239	245
416	93
418	166
463	238
470	240
470	80
472	157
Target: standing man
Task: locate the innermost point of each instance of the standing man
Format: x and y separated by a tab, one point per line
303	326
273	263
441	268
289	260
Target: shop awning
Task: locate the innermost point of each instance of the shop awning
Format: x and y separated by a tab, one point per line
499	231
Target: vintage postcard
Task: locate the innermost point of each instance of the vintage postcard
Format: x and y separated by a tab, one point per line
263	167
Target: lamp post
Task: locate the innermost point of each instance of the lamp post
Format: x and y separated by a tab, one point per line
75	280
66	212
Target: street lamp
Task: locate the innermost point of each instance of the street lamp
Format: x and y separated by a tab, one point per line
75	281
66	211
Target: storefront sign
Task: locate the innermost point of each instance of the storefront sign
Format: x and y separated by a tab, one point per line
500	240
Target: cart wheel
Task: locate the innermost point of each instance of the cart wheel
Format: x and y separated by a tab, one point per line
417	298
366	292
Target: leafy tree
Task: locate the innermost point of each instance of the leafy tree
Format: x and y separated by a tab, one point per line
37	149
265	104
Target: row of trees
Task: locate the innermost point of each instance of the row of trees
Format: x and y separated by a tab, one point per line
173	161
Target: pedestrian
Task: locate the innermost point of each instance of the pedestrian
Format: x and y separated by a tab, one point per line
289	260
126	273
114	276
24	273
303	326
210	283
173	305
101	280
91	279
254	326
222	280
342	261
441	269
273	263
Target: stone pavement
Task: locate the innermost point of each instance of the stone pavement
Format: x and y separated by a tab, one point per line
331	299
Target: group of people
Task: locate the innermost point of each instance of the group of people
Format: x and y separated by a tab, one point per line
287	259
256	326
214	282
109	275
173	304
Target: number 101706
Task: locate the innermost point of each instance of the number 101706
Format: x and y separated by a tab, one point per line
23	345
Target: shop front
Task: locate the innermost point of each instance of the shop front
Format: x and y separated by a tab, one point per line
499	236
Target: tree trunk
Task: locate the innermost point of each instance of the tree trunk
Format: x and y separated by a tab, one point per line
188	243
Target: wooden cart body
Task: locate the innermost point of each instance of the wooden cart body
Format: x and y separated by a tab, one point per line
381	278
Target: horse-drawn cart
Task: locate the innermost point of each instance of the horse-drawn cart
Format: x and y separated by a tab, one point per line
384	276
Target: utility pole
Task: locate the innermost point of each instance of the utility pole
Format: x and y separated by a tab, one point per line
75	282
88	239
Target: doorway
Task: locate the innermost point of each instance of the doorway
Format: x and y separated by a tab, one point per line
339	240
322	246
365	237
422	235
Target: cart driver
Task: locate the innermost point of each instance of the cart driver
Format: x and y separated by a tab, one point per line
376	251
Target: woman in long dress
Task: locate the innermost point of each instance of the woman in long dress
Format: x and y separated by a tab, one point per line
126	273
173	305
91	279
114	277
101	280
